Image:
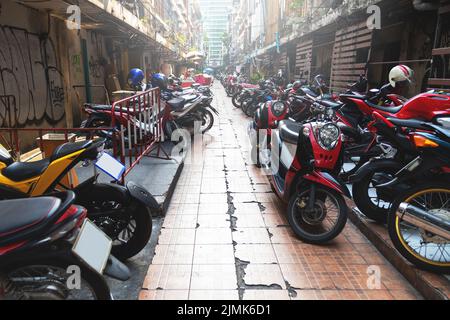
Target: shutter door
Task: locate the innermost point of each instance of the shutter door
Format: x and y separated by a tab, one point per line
350	55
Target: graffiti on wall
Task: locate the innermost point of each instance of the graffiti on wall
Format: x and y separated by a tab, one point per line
29	71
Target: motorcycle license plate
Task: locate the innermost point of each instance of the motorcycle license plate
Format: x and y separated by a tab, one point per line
110	166
92	246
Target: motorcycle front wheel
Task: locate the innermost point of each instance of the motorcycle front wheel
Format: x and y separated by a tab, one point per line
127	222
368	198
322	224
207	121
420	247
236	100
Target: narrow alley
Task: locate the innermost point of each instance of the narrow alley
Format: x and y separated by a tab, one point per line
225	236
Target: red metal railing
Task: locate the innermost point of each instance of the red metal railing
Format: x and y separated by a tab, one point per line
140	120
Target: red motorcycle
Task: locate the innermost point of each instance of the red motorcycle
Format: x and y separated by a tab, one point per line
304	159
42	240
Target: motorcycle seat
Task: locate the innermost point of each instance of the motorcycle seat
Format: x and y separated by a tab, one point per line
331	104
22	171
290	131
177	104
108	108
69	148
392	110
21	219
408	123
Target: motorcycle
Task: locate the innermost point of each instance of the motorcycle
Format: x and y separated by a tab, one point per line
121	212
43	241
394	137
185	111
303	155
419	217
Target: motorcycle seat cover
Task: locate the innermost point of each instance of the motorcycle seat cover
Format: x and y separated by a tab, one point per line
22	171
108	108
68	148
331	104
177	103
21	215
392	110
290	131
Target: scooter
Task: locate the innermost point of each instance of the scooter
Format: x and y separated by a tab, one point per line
121	212
44	242
185	111
303	158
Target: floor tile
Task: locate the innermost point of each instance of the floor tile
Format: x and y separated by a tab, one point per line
180	222
168	277
213	221
177	236
213	277
214	295
264	275
173	254
260	295
214	254
164	295
213	236
251	236
256	253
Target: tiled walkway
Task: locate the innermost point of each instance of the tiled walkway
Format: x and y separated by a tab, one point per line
225	236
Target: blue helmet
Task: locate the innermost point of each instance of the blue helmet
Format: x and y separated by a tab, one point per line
135	78
159	80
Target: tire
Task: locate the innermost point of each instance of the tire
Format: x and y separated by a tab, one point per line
137	243
246	104
235	100
102	199
95	281
364	203
208	114
401	245
308	237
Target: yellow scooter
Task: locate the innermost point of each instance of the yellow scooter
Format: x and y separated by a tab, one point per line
123	213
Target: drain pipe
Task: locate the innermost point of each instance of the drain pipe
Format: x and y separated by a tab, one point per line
421	5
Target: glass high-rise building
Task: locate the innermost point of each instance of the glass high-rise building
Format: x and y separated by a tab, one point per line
215	25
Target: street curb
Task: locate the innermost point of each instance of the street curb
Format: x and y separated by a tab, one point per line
424	282
170	192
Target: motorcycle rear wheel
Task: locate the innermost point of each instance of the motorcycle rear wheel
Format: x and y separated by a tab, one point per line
92	285
129	225
405	235
312	229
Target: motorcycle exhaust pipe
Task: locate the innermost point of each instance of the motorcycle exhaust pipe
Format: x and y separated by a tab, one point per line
424	220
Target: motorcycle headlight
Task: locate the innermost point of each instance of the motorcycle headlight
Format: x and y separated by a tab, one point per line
278	108
328	136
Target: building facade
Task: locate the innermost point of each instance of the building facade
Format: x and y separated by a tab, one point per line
49	68
340	39
215	15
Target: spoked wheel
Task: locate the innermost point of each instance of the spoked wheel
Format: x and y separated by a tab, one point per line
207	121
370	200
324	222
126	221
421	247
53	282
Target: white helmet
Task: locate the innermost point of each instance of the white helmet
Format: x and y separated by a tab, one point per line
401	74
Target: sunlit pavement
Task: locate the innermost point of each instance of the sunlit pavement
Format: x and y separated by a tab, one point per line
225	236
